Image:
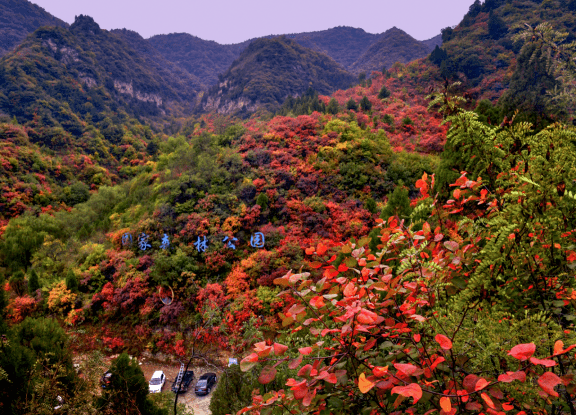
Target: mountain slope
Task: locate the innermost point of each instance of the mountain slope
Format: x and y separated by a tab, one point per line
344	44
432	42
482	47
394	46
84	74
18	18
202	58
270	70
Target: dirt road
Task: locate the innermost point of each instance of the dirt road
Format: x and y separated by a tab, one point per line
199	404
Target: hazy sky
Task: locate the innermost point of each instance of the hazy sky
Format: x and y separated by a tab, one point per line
233	21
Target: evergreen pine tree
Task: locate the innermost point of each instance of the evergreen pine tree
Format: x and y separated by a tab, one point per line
384	93
371	205
365	104
398	204
233	391
128	390
333	107
497	27
352	105
437	56
33	283
71	281
262	200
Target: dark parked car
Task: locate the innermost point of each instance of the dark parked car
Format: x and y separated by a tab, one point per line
205	384
105	380
184	383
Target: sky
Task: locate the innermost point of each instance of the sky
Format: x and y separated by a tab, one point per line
234	21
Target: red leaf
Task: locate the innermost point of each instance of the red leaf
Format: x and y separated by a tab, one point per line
558	348
474	406
548	381
444	341
350	290
523	351
267	375
417	338
317	302
413	390
544	362
380	371
488	400
306	350
511	376
279	349
295	362
452	245
321	249
309	397
342	268
469	382
310	251
370	344
496	393
367	317
248	362
445	404
480	384
407	369
305	370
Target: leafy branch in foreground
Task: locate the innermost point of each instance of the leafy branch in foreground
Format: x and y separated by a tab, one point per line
471	313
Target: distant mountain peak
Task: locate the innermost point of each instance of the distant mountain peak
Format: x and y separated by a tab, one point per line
85	24
270	70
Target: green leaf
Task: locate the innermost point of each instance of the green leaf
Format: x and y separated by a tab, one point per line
351	262
364	241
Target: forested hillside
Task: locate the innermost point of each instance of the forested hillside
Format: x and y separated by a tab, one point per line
270	70
393	46
202	58
18	18
399	242
71	77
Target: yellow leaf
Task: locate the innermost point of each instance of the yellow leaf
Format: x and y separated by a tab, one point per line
365	385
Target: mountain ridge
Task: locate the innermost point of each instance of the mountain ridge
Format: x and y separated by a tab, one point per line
270	70
18	18
83	74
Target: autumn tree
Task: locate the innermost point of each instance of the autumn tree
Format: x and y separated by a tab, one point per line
392	330
18	283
